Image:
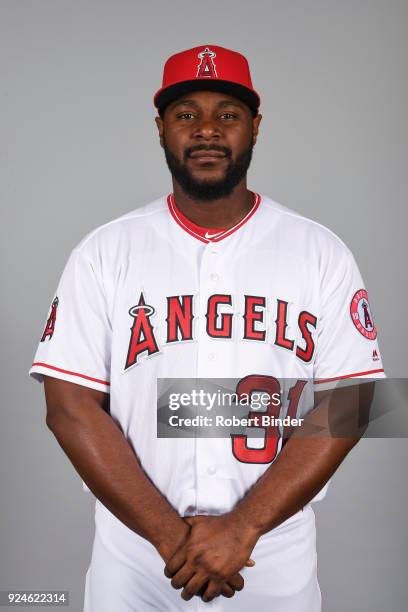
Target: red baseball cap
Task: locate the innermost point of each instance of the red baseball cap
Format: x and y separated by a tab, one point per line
208	67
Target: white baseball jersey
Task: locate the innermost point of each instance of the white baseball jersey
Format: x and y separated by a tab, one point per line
148	297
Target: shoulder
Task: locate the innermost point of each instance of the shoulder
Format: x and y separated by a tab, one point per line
301	232
119	232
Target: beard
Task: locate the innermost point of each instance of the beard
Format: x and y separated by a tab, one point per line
208	189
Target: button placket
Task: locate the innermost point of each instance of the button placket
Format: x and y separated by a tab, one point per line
208	277
207	365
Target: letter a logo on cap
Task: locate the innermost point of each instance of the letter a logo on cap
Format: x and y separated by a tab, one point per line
206	68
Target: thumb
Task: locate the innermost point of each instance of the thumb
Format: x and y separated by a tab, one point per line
250	563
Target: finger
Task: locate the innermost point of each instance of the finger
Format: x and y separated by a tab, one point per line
250	563
227	590
202	589
182	576
212	591
193	586
175	563
236	582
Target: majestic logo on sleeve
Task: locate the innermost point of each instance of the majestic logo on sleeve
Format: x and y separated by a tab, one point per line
361	315
50	325
251	320
206	68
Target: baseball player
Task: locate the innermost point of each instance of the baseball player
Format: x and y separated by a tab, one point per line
212	281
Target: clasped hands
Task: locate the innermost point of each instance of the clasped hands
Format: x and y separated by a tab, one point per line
208	561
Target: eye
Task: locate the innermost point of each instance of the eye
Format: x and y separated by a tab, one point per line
184	115
229	115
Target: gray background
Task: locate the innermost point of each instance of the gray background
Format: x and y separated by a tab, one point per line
79	147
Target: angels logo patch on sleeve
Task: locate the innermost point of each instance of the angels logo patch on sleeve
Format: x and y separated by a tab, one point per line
50	325
361	315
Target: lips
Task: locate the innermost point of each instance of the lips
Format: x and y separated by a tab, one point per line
207	154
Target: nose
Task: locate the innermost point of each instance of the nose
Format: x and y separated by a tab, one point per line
206	129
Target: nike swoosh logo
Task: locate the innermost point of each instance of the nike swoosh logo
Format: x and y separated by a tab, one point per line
207	235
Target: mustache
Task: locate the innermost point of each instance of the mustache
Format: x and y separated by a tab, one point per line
214	147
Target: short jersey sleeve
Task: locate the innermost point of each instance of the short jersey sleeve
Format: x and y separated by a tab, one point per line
75	344
347	338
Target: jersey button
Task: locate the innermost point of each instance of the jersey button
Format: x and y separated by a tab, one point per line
214	276
212	356
211	470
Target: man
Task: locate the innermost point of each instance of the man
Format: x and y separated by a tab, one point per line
212	282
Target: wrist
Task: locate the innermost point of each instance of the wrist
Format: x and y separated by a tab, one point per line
246	528
171	540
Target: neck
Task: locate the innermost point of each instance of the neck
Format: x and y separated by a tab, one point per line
224	212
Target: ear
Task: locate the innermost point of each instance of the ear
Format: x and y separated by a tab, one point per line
255	127
160	127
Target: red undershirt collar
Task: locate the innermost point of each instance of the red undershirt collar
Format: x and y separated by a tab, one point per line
208	234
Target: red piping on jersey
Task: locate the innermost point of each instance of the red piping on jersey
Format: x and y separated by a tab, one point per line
189	226
325	380
45	365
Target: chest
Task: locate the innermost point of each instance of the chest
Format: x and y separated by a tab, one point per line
170	296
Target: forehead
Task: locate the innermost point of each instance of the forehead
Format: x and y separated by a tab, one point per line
207	99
